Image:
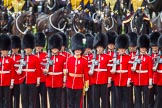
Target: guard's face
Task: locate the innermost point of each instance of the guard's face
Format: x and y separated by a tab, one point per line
4	52
39	48
28	51
62	48
121	51
55	51
143	50
15	50
111	46
100	50
87	51
154	49
77	52
132	48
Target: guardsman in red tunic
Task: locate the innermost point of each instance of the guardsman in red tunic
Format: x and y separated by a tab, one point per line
15	92
77	76
54	79
122	72
100	75
41	90
158	68
142	68
67	54
154	53
88	54
110	51
132	52
7	71
30	71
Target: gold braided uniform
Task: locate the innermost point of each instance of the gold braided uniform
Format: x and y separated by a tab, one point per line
112	4
136	4
18	5
76	3
7	3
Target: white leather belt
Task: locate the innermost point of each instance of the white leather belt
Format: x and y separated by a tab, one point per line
159	71
4	72
29	70
55	73
100	70
121	71
141	71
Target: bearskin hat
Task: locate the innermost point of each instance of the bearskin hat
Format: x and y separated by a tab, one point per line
89	40
132	39
160	42
100	40
55	41
143	42
5	42
154	38
40	39
78	42
64	37
15	42
111	37
28	41
122	41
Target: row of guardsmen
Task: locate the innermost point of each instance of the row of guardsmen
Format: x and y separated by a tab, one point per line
97	67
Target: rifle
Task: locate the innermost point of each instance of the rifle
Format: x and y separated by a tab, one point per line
49	61
158	60
136	61
115	62
94	62
22	62
150	52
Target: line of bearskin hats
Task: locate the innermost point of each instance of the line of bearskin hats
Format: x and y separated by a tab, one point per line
111	36
160	42
64	37
132	39
5	42
122	41
78	42
15	41
100	40
154	38
28	41
55	41
89	40
143	41
40	39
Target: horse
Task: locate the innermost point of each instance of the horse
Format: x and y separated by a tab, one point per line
23	23
52	23
108	21
138	23
5	20
154	6
157	23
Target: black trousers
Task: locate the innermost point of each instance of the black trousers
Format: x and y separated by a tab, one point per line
122	97
158	103
15	95
42	92
100	92
131	95
138	96
54	97
28	95
74	97
111	90
152	96
4	97
64	98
